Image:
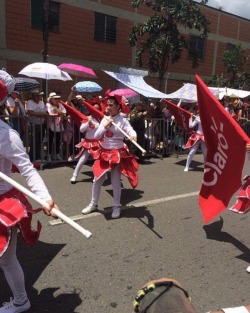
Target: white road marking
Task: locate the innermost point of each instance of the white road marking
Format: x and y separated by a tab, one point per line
127	207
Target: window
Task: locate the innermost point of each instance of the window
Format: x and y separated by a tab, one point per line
197	47
230	46
105	28
38	15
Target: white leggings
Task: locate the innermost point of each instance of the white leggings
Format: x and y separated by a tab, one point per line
193	151
83	159
13	271
116	185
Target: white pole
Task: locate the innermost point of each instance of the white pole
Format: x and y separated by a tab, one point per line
126	135
58	213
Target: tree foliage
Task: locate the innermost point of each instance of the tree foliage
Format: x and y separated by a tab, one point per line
235	76
158	39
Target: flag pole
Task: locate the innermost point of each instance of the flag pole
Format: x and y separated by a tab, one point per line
126	135
58	213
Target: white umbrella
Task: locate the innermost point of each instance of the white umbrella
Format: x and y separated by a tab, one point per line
44	70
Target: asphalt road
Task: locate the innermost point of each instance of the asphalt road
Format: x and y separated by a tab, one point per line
160	234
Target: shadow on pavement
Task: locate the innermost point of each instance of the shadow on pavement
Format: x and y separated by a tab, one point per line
214	232
128	195
139	213
34	260
194	166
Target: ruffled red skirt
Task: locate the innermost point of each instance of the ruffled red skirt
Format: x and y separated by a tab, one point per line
193	139
15	210
105	160
242	204
87	144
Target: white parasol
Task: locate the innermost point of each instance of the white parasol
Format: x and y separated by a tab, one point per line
44	70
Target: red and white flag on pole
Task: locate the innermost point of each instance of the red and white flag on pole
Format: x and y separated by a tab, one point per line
226	150
182	116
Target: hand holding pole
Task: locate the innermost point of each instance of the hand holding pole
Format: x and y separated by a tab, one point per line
127	136
58	213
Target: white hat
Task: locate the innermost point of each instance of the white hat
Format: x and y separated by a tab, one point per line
36	92
78	97
53	95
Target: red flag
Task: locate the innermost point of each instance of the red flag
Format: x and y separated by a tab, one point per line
226	145
77	116
182	116
98	115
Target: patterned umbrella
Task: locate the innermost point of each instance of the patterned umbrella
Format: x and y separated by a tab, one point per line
25	84
88	86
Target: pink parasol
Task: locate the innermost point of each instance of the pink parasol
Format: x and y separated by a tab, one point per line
125	92
77	70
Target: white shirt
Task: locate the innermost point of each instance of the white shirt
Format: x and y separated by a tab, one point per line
11	103
116	141
55	124
36	107
13	152
89	131
193	123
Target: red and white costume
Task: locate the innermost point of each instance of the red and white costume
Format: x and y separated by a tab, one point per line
113	155
242	204
87	145
196	139
15	210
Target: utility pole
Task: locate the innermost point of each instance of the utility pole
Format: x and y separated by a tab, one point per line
45	37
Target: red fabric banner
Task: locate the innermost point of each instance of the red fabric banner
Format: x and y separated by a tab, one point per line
76	115
182	116
226	150
98	115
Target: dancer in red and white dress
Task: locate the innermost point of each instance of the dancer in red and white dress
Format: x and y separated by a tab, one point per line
242	204
113	156
196	139
88	144
16	213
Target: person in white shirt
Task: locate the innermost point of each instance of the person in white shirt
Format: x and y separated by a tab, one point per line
13	203
16	108
37	111
195	140
88	144
113	156
56	111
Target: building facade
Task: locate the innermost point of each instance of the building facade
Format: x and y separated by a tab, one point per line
94	33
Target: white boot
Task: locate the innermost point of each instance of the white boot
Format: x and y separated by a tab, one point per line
90	208
189	159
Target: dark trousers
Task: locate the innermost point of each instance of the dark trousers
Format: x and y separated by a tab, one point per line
54	137
141	141
37	132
